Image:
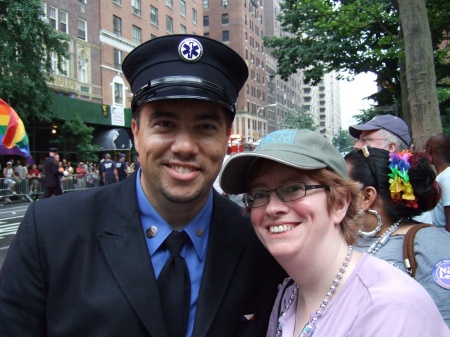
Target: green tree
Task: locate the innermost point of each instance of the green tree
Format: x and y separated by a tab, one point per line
77	137
300	120
27	43
355	36
342	141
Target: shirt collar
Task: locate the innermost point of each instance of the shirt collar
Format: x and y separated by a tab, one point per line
197	228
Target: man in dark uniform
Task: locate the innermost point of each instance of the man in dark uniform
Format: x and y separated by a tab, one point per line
109	171
52	184
107	271
122	168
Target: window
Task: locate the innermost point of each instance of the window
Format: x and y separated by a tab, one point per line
225	18
54	62
82	71
224	3
205	4
53	17
117	25
194	16
183	29
65	61
117	2
82	28
44	12
206	21
117	59
154	15
63	27
225	35
118	93
136	7
183	8
169	3
137	35
169	25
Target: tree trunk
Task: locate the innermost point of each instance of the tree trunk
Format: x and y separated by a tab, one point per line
420	72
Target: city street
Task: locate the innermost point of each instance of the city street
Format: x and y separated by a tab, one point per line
10	217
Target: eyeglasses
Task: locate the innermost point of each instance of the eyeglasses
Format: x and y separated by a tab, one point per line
288	192
365	140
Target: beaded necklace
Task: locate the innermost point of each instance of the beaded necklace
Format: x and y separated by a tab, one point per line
310	327
384	238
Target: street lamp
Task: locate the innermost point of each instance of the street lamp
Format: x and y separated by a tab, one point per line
264	106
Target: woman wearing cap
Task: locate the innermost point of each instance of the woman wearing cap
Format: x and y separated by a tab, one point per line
304	210
397	187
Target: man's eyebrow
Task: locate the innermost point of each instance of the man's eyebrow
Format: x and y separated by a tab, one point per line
214	116
163	113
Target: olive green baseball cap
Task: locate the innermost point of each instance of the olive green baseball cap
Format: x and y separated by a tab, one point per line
302	149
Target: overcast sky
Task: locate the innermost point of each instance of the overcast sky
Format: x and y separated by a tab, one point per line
352	96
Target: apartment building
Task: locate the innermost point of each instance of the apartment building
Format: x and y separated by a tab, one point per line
239	24
102	33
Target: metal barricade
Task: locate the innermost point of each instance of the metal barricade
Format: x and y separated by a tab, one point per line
14	188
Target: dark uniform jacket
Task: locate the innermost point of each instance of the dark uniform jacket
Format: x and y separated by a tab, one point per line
79	266
51	172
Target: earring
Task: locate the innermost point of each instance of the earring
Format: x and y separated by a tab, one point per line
376	230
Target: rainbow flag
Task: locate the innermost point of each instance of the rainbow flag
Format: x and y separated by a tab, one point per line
14	139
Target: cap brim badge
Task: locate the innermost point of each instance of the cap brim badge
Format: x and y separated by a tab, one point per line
190	50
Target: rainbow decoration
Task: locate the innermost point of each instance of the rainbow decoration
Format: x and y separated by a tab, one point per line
14	139
400	187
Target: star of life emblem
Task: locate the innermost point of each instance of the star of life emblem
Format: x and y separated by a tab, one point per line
190	50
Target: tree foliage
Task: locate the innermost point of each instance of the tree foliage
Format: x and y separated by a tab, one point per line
27	43
342	141
355	36
300	120
77	136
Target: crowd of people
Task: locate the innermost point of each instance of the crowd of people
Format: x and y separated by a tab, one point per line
316	251
20	177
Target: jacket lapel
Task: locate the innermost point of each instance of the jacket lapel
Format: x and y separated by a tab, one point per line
125	249
224	251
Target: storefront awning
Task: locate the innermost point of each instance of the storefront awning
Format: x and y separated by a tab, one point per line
113	140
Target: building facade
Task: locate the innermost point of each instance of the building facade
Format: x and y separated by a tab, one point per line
102	33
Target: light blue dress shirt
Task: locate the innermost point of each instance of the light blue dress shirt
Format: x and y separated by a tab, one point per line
193	252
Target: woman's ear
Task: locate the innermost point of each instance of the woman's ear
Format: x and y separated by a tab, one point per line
340	208
370	195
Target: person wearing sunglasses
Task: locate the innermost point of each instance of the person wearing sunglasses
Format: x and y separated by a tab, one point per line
306	212
396	187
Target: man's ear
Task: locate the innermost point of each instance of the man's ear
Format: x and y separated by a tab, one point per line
370	195
392	147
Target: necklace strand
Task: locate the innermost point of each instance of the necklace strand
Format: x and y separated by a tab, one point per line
384	238
310	327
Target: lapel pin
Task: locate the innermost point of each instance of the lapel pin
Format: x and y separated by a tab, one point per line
151	232
199	232
249	317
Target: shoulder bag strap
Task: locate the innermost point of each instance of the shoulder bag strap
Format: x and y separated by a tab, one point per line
408	249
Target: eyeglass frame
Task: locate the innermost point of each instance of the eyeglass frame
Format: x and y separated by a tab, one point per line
246	198
365	139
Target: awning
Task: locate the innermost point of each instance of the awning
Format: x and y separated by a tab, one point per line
114	139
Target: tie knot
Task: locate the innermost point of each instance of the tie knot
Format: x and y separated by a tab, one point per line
175	241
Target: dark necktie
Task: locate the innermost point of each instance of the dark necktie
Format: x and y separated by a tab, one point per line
175	286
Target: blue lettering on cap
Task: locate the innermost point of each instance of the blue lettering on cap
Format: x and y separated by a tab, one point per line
441	274
278	137
190	50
